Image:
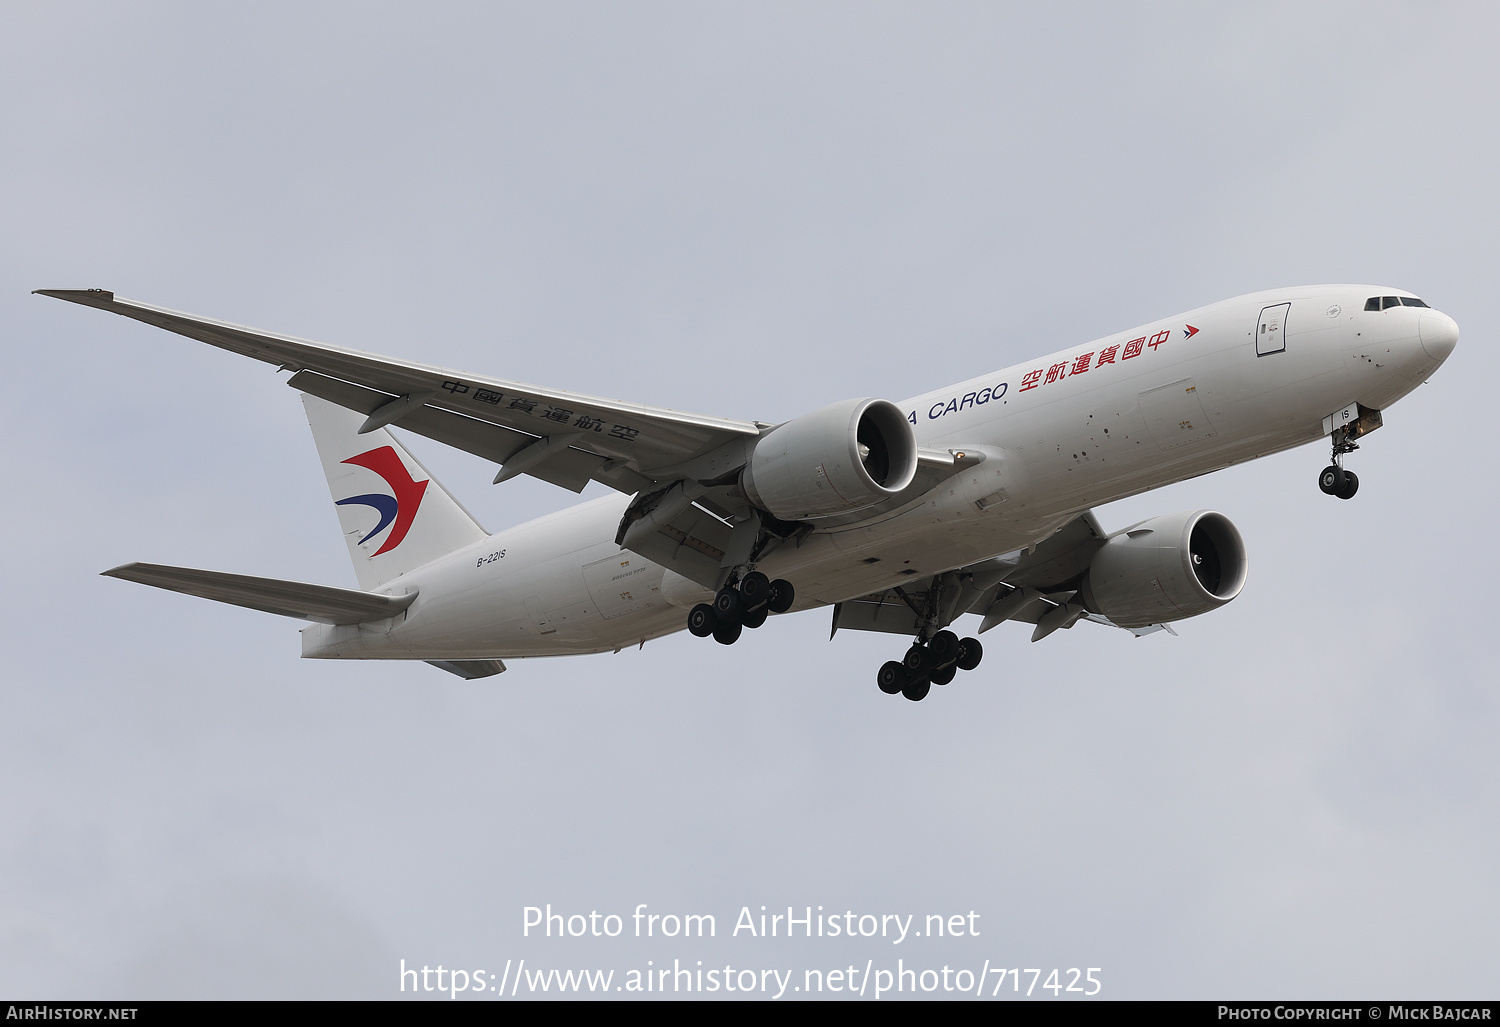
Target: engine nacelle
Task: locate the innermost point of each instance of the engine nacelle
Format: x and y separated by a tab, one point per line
837	460
1165	569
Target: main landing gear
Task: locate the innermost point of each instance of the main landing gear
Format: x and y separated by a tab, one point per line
933	663
736	607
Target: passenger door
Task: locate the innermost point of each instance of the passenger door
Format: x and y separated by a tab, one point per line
1270	335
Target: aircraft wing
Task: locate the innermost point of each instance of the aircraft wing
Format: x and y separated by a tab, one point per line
561	437
1036	585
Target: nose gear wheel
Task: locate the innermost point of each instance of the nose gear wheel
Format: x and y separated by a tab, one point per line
1333	480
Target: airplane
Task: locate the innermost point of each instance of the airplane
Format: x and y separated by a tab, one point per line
898	517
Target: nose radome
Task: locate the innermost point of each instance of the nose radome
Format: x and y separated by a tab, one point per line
1439	335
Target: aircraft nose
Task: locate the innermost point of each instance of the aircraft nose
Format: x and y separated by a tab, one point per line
1439	334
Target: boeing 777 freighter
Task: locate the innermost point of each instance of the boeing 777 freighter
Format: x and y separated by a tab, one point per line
900	517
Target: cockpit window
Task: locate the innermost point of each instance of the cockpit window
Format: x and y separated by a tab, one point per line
1376	302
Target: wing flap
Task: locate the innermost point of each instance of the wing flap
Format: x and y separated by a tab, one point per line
324	603
692	543
569	468
880	611
470	670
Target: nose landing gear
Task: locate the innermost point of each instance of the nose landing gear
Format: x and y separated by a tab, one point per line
935	662
736	607
1334	480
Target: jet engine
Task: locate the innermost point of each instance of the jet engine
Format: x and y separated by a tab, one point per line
840	459
1165	569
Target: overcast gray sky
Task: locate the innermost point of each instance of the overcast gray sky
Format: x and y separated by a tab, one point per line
749	210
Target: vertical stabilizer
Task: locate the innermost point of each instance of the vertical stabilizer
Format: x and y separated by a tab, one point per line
394	516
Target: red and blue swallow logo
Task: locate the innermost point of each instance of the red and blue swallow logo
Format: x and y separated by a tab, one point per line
401	508
1189	332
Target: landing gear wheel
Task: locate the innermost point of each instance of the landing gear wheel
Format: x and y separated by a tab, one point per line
702	620
970	652
755	618
891	677
782	595
1350	486
915	659
755	589
916	690
728	604
943	675
727	632
1332	479
943	647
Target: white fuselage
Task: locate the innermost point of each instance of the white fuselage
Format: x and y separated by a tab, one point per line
1081	427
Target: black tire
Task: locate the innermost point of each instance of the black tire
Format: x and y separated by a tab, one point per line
728	632
891	677
1331	480
943	675
755	618
915	659
782	596
916	689
943	648
727	604
970	652
1350	486
702	620
755	590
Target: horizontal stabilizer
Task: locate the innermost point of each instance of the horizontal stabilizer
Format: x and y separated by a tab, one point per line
323	603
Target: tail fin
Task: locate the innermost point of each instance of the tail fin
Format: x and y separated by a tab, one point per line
395	518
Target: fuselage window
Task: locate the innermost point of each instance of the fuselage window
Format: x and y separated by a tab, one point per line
1411	301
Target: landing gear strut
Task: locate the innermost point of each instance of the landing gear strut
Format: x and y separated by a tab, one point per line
745	605
927	663
1334	480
